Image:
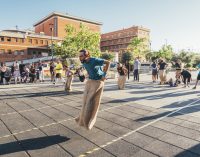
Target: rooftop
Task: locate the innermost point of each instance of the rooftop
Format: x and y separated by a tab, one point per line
24	33
66	16
127	29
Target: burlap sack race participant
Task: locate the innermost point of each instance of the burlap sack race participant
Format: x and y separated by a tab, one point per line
122	71
93	88
162	71
69	78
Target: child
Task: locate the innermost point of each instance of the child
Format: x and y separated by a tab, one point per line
80	74
122	71
69	77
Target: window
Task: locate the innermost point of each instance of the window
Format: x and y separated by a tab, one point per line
2	51
41	42
16	39
1	38
15	52
46	42
23	40
36	41
9	52
29	53
30	41
22	52
9	39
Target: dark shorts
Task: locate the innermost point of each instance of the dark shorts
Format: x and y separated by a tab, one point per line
58	75
154	72
198	77
52	73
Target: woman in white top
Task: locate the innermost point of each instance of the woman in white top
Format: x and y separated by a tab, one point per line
16	72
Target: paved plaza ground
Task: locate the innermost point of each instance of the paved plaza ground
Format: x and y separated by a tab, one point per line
144	120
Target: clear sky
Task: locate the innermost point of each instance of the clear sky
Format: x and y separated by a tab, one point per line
175	22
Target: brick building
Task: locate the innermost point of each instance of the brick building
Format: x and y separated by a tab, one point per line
19	45
59	21
118	41
25	44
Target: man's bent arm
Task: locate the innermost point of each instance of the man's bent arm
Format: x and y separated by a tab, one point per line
107	64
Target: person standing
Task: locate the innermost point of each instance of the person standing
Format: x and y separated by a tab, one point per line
154	71
59	71
178	66
21	69
122	71
52	71
2	70
162	71
32	74
69	78
93	88
41	71
198	77
136	68
16	72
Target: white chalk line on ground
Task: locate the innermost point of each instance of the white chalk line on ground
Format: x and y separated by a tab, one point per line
55	123
124	104
133	131
33	109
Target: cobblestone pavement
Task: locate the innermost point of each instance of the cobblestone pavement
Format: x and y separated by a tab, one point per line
144	120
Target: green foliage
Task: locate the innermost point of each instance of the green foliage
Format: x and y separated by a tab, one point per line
75	40
70	61
186	57
165	52
196	60
107	56
151	56
127	56
138	47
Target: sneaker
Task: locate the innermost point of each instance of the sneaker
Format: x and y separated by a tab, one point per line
194	88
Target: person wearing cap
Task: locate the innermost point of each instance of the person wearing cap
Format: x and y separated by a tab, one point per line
93	88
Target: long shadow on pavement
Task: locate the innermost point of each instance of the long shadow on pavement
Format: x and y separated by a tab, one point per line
40	94
186	110
31	144
190	152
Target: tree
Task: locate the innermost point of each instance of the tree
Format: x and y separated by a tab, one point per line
83	38
151	56
165	52
107	56
186	57
196	60
127	56
138	47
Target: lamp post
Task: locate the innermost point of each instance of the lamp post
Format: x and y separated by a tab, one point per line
51	29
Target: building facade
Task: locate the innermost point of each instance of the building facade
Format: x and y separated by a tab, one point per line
119	40
58	22
20	45
27	44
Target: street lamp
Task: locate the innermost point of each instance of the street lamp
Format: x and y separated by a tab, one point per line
51	29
